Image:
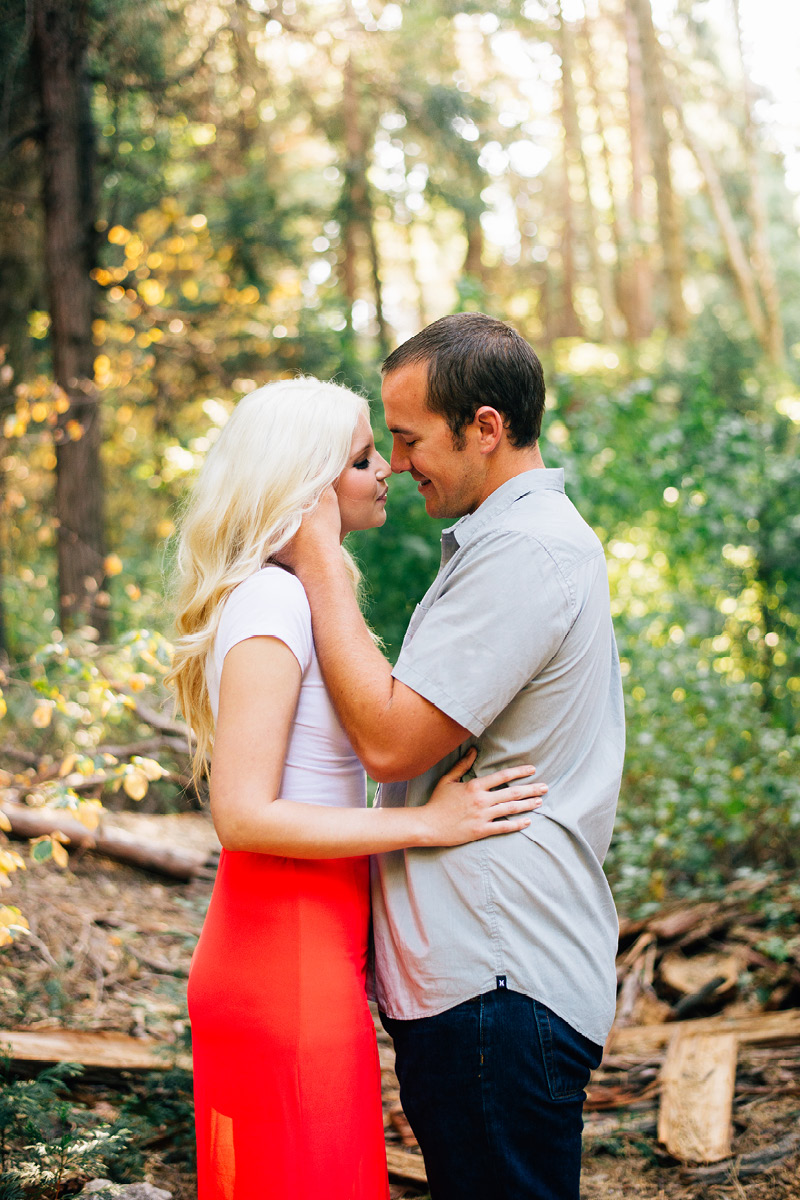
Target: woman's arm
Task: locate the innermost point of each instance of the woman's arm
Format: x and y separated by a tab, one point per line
259	690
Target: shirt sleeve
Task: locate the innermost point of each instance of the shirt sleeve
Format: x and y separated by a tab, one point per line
498	620
272	603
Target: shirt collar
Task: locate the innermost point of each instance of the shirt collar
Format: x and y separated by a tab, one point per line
541	479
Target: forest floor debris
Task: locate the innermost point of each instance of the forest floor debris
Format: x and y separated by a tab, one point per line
110	946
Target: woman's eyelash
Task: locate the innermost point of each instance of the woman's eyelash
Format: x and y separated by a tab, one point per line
362	464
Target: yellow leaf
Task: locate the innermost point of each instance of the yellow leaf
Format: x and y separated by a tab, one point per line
89	813
152	769
135	785
5	824
3	706
60	856
10	915
151	291
42	715
67	765
112	565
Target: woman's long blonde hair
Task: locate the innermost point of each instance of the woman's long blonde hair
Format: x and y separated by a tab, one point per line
282	447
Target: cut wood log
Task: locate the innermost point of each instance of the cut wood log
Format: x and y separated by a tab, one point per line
92	1048
177	862
404	1165
689	976
697	1087
766	1029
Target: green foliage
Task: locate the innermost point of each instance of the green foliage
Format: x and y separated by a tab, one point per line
161	1108
49	1142
45	1141
689	475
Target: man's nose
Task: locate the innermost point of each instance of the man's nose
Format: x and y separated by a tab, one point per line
399	461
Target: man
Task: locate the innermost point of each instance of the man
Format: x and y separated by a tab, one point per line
495	960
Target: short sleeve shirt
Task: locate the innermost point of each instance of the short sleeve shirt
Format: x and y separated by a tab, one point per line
514	641
320	766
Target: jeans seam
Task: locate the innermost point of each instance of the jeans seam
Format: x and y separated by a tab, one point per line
486	1092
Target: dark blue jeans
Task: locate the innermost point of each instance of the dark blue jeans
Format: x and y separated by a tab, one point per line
493	1090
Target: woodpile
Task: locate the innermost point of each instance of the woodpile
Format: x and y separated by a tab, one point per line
703	1014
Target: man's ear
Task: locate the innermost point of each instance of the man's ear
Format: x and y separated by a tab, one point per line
490	428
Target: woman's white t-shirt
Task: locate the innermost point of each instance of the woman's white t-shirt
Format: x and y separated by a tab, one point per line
320	766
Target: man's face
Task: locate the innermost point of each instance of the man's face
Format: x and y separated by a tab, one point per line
450	480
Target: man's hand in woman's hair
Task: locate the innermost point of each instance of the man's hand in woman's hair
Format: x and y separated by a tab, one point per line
319	534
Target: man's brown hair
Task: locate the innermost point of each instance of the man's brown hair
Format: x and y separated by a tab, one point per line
474	360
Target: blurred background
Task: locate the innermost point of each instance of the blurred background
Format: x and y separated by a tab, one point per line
199	196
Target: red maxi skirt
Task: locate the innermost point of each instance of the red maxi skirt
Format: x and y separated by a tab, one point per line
286	1072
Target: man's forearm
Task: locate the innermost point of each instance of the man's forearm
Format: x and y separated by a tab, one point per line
395	732
357	676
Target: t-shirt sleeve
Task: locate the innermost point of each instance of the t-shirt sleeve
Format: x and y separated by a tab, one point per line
499	619
269	604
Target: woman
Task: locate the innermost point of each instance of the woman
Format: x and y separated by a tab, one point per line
287	1081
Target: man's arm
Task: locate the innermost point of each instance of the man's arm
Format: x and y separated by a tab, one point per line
396	733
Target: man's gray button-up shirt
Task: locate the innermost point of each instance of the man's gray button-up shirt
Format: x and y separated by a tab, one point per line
514	641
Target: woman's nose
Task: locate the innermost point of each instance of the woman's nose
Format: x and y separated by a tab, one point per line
383	468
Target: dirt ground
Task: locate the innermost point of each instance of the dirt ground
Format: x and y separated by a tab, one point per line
110	948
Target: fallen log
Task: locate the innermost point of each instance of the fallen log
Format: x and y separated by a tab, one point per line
177	862
404	1165
765	1029
91	1048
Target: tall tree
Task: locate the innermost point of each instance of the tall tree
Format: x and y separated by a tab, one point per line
637	279
60	42
569	323
356	205
762	258
669	226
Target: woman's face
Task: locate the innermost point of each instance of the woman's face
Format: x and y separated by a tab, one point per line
361	487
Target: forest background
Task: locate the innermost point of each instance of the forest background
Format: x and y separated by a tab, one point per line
199	196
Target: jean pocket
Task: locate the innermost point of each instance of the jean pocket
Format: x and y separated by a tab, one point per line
569	1057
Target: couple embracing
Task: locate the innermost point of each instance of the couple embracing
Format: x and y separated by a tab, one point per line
494	929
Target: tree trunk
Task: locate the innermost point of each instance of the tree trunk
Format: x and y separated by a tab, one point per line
567	322
620	240
668	219
473	259
762	259
67	150
636	299
734	246
357	207
600	275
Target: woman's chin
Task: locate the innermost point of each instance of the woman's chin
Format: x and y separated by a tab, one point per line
377	520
